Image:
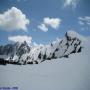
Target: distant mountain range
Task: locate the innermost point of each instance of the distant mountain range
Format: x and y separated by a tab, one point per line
22	53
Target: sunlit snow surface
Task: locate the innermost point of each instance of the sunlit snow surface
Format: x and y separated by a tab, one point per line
71	73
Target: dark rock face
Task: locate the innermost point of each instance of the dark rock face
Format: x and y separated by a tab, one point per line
22	49
22	54
2	61
6	49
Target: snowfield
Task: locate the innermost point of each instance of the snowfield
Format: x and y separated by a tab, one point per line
71	73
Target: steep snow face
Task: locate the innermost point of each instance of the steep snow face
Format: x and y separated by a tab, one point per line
24	54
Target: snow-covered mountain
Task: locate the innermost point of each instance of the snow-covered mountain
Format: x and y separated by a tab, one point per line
22	53
71	73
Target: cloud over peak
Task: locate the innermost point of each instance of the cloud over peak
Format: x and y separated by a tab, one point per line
13	19
20	38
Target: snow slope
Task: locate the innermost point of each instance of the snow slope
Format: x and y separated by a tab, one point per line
71	73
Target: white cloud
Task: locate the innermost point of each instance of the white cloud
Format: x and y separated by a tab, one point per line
43	27
13	19
72	3
20	38
49	22
53	22
84	20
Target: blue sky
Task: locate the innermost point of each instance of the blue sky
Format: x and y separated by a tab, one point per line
66	14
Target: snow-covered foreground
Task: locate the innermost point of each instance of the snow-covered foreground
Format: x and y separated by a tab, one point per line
71	73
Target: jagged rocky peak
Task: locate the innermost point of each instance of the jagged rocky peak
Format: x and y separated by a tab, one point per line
20	44
72	34
11	48
22	48
22	53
